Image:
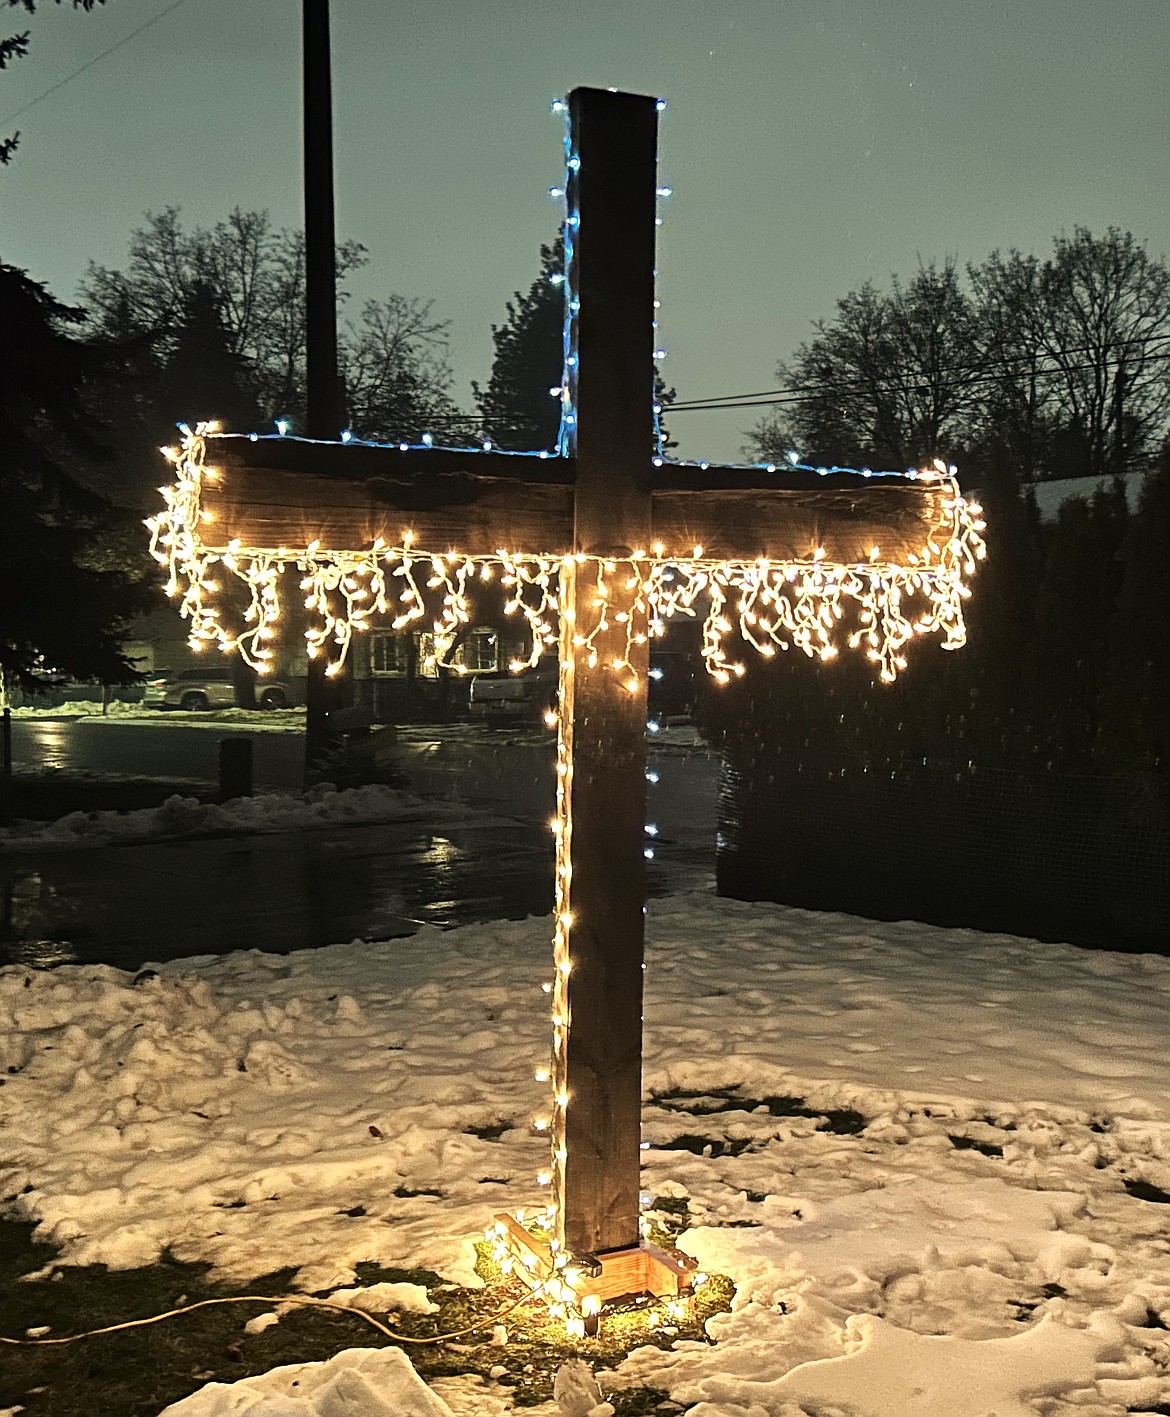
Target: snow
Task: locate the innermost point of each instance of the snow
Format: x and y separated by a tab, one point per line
291	720
377	1298
372	1382
577	1393
972	1249
186	816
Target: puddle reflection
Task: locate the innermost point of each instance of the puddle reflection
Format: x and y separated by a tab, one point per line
51	744
126	905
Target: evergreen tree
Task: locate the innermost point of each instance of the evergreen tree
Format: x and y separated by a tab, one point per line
15	46
997	730
203	378
519	413
521	406
1137	699
64	608
393	357
1068	661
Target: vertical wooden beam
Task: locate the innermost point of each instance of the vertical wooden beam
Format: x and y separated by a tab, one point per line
611	204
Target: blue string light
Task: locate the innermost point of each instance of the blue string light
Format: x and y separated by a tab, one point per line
427	444
567	391
567	431
354	442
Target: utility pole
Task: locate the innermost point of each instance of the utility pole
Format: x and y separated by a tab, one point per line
325	412
325	415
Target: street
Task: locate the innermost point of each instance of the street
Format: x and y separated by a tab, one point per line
125	905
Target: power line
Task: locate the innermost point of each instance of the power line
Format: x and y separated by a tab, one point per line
89	63
980	366
987	372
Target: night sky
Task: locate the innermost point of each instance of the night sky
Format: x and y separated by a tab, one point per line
811	145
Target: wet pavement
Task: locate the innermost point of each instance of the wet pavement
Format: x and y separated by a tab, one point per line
140	748
124	905
127	905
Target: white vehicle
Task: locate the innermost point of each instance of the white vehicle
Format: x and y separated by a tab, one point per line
208	688
515	698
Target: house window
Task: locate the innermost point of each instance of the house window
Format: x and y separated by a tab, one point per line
480	651
477	653
388	654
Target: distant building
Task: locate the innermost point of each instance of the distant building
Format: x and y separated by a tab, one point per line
1052	494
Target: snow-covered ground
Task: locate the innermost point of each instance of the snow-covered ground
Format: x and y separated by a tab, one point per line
187	816
989	1242
291	720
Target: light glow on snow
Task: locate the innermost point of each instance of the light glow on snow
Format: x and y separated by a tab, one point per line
978	1237
772	604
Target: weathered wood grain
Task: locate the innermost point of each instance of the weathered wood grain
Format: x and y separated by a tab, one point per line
453	504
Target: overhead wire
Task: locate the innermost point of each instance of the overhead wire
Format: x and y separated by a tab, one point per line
976	367
89	63
988	369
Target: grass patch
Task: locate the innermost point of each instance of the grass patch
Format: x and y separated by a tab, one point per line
668	1217
1025	1308
1146	1191
138	1372
489	1131
705	1146
987	1148
842	1121
644	1402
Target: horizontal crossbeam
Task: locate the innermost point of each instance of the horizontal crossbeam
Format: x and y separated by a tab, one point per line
479	503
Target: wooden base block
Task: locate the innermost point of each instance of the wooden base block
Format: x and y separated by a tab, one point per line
617	1274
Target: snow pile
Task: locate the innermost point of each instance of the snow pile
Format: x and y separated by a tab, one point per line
577	1393
82	708
186	816
290	720
378	1298
962	1217
362	1382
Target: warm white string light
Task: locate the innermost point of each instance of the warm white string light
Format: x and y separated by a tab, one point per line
771	604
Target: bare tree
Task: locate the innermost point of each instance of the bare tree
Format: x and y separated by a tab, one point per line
393	356
395	370
1062	364
257	273
888	381
1017	410
1076	350
1106	329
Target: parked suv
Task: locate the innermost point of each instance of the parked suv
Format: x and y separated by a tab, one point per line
528	696
515	698
210	687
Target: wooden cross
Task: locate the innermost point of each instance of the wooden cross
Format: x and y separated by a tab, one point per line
624	538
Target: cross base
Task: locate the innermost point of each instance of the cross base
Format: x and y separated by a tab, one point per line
594	1280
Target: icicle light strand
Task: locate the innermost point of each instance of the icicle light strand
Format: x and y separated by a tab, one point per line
771	605
566	602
